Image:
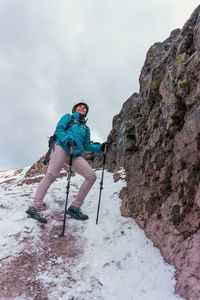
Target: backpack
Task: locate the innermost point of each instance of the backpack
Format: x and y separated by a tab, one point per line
52	141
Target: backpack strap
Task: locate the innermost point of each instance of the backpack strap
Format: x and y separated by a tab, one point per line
52	141
73	121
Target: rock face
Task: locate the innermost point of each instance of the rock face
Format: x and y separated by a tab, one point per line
156	138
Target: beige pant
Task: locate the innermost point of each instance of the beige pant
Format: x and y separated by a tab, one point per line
58	158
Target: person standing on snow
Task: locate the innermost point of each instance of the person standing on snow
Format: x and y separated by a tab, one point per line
78	137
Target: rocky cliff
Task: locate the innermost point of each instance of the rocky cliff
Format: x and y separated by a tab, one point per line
156	138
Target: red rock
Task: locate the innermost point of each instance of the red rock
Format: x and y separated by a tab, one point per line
156	138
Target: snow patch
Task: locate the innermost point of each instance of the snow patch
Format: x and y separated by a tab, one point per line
118	261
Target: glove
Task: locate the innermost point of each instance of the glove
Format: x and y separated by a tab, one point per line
71	143
105	145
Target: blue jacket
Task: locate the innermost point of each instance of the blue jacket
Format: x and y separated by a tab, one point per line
76	132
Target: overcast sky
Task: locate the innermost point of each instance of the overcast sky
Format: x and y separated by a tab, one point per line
54	53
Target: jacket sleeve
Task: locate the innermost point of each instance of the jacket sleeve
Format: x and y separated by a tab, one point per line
60	131
89	145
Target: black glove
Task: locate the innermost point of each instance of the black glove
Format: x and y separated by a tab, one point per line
71	143
105	145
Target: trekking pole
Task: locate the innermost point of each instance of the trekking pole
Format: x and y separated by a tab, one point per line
101	182
68	186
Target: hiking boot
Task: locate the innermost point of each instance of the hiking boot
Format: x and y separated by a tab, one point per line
76	213
35	214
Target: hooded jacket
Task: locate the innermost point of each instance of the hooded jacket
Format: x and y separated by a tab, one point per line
78	132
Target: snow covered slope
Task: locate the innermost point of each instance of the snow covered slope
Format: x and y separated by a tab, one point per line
111	261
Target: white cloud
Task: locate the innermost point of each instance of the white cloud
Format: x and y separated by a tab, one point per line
54	53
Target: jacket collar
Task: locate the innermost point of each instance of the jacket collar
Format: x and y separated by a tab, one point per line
76	116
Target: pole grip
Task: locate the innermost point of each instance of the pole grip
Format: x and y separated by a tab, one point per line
71	150
71	155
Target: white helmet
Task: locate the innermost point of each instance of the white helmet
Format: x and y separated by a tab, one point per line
81	102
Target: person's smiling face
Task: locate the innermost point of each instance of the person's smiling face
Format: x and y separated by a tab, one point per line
81	108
